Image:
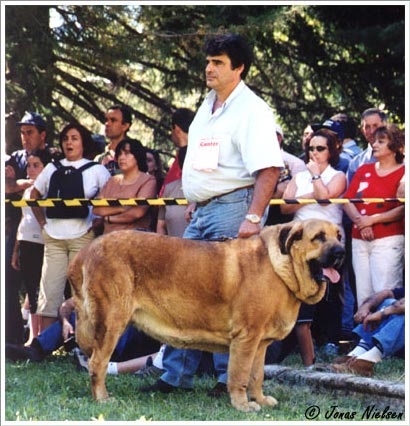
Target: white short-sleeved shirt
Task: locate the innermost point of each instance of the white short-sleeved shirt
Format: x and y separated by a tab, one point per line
29	229
94	178
331	212
228	147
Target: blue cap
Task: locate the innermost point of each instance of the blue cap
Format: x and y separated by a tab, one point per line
333	126
33	119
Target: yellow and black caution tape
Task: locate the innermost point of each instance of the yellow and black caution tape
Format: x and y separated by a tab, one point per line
113	202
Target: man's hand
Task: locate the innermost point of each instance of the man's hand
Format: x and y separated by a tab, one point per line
67	330
372	321
362	313
188	211
248	229
9	172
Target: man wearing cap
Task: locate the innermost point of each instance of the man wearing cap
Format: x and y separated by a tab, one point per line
33	138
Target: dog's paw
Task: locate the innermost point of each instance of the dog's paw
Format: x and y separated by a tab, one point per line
253	406
109	399
268	400
248	407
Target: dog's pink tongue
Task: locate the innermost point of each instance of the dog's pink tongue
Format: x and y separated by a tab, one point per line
332	274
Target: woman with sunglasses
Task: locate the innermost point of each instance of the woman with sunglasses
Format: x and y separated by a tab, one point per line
320	181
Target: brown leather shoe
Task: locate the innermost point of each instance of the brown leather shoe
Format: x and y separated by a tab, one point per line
342	359
362	367
356	366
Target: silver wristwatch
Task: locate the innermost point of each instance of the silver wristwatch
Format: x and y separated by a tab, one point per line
253	218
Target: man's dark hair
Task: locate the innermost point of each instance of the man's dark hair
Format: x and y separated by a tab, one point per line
372	111
183	117
126	113
233	45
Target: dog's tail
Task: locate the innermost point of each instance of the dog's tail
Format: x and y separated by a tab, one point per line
76	278
75	275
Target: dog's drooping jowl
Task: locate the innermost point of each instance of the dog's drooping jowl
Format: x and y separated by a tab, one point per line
237	296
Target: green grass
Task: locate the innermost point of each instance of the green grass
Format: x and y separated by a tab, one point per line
55	391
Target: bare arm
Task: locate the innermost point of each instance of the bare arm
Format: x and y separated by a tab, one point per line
264	185
128	214
38	211
64	312
289	194
372	321
17	186
371	303
401	189
162	227
388	216
12	185
333	189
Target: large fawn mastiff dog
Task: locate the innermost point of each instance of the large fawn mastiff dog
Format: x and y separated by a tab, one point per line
237	295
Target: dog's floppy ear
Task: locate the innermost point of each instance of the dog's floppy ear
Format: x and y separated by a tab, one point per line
288	234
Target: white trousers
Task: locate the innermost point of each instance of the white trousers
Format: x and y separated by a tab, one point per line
378	265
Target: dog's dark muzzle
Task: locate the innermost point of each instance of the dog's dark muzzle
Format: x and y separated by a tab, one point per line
334	257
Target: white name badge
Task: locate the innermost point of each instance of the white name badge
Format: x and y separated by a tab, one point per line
207	155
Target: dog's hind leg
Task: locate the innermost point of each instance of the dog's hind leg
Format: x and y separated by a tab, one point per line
256	378
98	363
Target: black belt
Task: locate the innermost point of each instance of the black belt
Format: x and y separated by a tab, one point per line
206	202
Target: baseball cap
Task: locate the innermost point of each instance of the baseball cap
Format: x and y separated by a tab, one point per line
32	118
332	125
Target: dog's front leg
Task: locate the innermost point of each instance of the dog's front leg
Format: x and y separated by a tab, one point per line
241	355
256	378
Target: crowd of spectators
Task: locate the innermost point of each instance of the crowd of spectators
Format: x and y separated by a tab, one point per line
332	165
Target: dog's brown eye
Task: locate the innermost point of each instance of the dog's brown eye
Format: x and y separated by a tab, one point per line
319	237
339	237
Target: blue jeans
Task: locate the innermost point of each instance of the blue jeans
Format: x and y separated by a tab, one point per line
219	219
133	343
390	333
51	338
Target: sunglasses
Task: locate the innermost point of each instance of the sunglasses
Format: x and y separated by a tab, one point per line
317	148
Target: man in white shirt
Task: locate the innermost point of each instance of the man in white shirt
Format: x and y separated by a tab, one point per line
230	170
